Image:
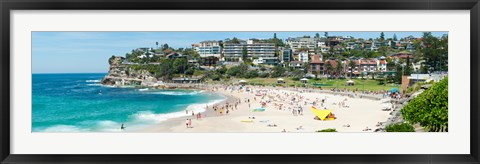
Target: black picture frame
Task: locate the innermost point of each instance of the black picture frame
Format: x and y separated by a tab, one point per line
8	5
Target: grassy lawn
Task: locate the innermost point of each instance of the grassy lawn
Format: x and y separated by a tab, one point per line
369	84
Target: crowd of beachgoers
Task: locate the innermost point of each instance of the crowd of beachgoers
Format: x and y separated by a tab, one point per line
276	109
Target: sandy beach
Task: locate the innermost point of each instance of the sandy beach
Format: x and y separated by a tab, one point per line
353	114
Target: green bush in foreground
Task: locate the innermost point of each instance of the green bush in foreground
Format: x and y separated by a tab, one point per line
400	127
327	130
430	108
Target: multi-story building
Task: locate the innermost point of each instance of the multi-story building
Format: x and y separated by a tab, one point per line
209	48
368	65
301	43
382	64
261	49
316	65
324	49
287	55
234	51
303	56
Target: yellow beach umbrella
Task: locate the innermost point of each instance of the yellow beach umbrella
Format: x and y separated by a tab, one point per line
321	114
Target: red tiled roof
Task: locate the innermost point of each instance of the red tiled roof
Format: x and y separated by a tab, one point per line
332	62
404	56
316	59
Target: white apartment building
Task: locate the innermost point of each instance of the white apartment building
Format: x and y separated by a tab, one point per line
303	56
209	48
234	51
301	42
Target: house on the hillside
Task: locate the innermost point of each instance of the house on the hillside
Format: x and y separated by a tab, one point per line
296	64
316	65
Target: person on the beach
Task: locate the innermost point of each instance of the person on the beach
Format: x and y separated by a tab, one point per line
186	123
190	123
221	110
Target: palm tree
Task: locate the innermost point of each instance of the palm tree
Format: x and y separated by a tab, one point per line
339	68
351	64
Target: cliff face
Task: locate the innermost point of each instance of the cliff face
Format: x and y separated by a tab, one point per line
121	74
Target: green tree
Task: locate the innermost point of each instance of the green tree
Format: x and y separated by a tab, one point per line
165	46
165	69
190	71
339	68
278	71
400	127
274	35
222	70
352	65
435	52
251	74
180	65
235	40
297	74
382	36
328	68
238	71
317	35
407	70
244	53
430	108
394	37
398	73
390	64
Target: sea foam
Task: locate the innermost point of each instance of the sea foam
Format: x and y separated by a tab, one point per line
93	81
149	116
176	93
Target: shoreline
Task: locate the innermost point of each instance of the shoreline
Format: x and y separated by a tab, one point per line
208	112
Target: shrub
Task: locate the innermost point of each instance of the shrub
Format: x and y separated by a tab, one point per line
430	108
264	75
328	130
400	127
251	74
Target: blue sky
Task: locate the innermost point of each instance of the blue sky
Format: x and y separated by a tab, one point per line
88	52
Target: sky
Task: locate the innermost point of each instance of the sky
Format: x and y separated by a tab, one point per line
88	52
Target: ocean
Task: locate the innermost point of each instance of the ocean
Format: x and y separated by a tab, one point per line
79	103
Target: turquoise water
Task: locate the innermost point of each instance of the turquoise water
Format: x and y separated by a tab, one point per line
78	103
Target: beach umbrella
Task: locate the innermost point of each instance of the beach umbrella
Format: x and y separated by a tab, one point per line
242	81
304	80
394	90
